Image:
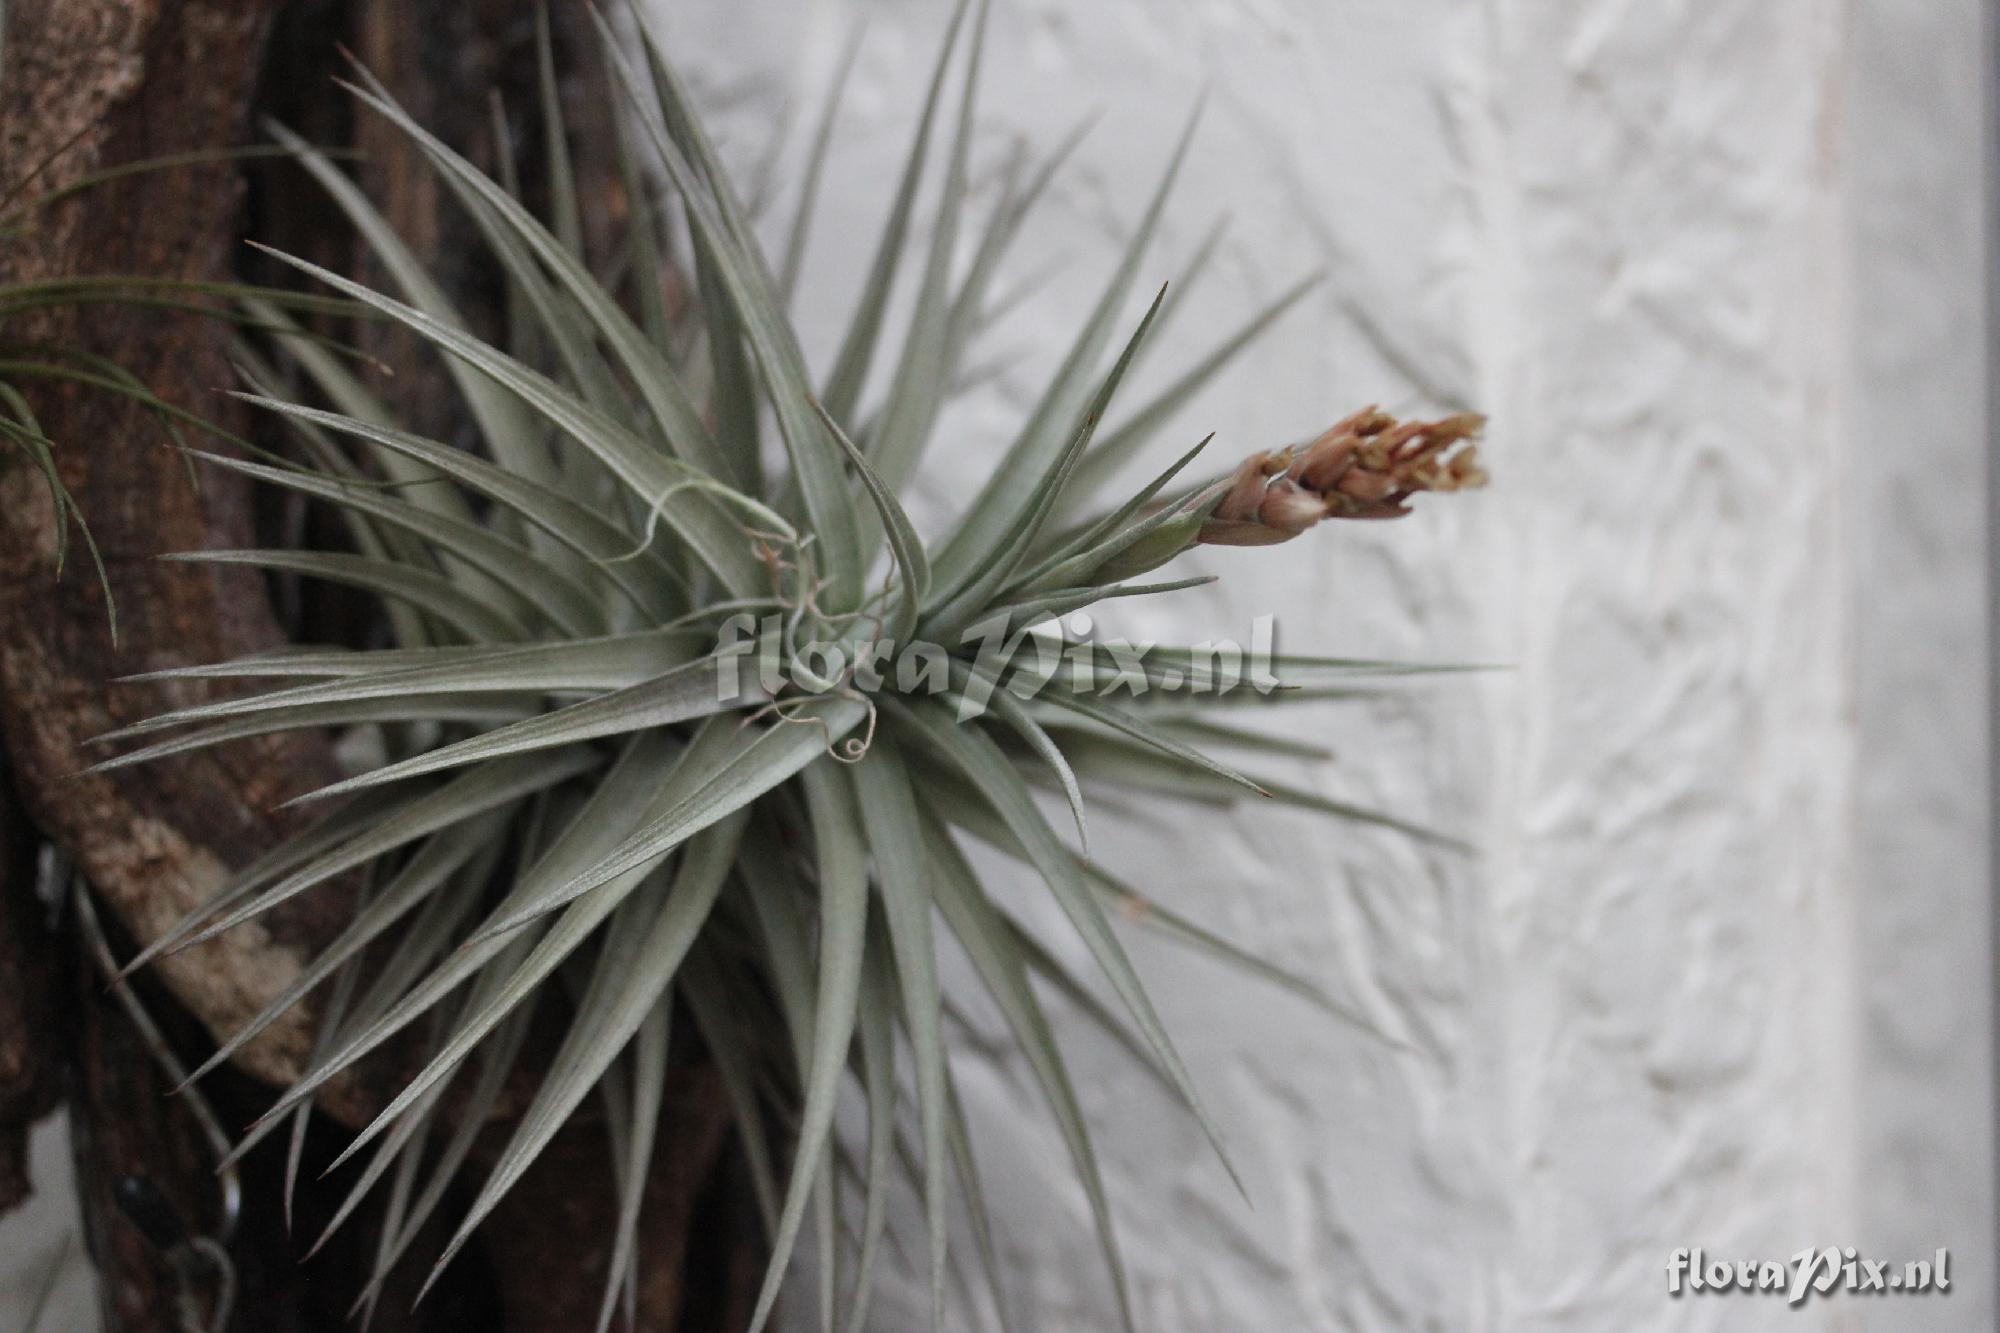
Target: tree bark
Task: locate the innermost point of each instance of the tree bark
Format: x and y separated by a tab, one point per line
119	82
92	83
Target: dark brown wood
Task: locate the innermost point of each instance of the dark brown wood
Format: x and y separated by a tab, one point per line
90	83
548	1214
118	81
441	64
126	1127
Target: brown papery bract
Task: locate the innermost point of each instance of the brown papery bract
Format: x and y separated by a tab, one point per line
1365	466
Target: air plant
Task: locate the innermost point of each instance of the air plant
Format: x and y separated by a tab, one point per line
591	802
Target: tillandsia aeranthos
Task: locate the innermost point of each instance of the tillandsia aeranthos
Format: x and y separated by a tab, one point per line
651	756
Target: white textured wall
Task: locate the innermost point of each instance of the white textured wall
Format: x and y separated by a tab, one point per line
42	1261
1722	977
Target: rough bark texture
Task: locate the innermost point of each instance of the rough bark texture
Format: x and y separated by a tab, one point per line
135	81
91	83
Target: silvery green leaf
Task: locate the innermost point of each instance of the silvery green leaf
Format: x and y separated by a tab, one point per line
408	1136
1149	914
966	1166
682	495
1123	444
857	347
1041	962
1032	611
779	901
501	421
584	664
642	950
1112	718
1245	738
435	860
496	1062
759	761
416	948
680	694
649	1083
1077	558
533	586
488	708
1019	720
735	397
650	260
843	917
415	1121
712	206
409	627
1117	758
1020	517
413	585
1148	545
588	666
1207	674
923	372
334	828
608	547
815	167
1036	451
412	962
552	948
710	995
470	794
904	544
979	929
330	1016
352	398
658	383
969	751
896	838
667	774
555	140
971	310
877	1029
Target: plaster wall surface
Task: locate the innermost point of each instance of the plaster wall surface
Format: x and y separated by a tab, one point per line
1720	976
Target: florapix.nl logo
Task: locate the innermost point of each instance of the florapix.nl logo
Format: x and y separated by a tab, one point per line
1818	1271
767	657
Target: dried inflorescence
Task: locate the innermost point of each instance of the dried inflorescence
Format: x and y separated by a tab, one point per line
1367	466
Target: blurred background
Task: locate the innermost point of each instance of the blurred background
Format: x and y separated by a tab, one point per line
1721	975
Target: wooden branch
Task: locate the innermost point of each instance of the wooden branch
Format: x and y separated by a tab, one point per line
91	83
96	82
